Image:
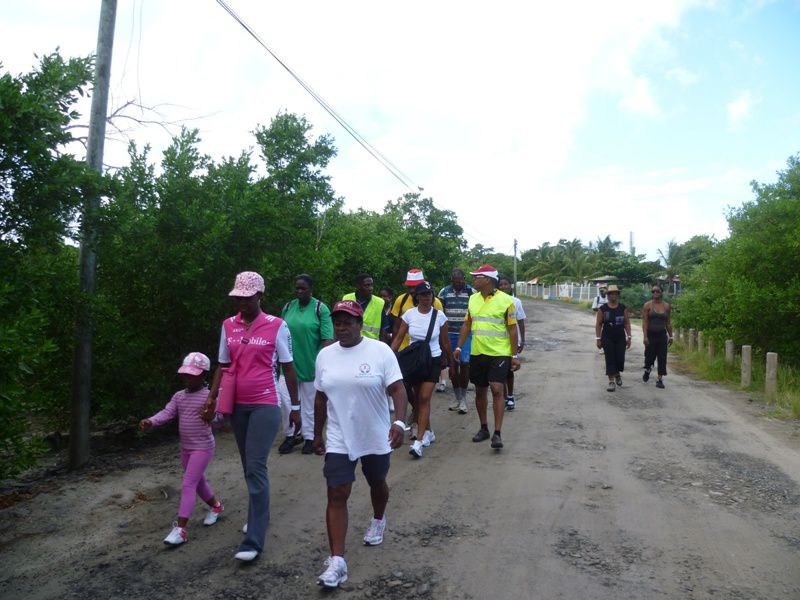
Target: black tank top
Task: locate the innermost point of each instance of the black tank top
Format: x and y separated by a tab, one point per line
657	322
613	320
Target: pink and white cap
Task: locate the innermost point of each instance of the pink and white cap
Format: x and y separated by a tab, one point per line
247	283
486	271
195	363
414	277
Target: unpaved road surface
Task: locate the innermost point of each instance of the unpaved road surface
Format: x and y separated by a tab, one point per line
686	492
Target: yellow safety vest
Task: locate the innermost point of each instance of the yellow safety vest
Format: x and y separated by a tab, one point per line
371	327
489	327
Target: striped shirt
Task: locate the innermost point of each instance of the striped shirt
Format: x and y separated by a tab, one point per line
455	305
194	433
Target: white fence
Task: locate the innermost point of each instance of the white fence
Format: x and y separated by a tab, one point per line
575	291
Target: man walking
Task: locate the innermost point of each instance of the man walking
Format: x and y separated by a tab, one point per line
375	322
455	300
491	318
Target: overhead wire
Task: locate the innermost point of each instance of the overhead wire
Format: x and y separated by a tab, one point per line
377	155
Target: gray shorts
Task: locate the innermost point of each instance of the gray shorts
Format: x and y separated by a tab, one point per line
340	470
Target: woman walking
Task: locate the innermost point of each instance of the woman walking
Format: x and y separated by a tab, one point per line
657	330
416	322
612	332
251	344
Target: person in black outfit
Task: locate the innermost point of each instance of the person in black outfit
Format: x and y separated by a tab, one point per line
613	334
657	329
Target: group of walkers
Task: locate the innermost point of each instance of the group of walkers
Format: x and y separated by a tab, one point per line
341	371
613	334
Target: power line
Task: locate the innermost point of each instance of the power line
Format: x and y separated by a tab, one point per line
385	162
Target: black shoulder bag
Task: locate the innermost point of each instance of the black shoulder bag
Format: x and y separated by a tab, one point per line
415	359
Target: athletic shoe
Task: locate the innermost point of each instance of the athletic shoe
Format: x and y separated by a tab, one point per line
374	535
497	441
646	374
246	555
619	380
510	403
660	384
428	437
462	407
176	537
307	449
416	449
244	528
454	403
441	386
213	514
289	443
611	386
483	434
335	574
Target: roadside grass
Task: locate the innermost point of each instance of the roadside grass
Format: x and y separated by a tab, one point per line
787	402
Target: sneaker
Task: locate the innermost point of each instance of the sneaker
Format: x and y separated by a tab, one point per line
416	449
374	535
454	403
428	437
176	537
611	386
483	434
246	555
619	380
288	444
335	574
497	441
510	403
244	528
660	384
213	514
462	407
646	374
307	449
414	431
441	386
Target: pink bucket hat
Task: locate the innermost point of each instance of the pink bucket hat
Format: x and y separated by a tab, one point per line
486	271
195	363
414	277
247	284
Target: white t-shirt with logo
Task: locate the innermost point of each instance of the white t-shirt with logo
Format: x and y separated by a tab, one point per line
418	328
355	380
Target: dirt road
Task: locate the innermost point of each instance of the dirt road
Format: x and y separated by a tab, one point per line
685	492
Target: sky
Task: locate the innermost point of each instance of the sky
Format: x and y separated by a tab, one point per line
531	121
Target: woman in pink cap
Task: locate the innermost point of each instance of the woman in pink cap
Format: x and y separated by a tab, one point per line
197	443
252	345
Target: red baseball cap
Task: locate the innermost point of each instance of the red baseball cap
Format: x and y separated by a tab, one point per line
351	307
486	271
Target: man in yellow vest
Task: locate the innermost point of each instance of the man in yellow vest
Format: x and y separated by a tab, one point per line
493	322
375	323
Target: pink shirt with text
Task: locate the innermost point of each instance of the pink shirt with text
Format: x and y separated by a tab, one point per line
194	433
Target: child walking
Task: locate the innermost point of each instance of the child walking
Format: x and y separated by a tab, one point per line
197	443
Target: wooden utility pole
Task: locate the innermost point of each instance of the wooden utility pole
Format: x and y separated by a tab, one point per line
515	267
84	322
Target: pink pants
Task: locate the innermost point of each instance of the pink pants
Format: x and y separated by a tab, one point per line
194	483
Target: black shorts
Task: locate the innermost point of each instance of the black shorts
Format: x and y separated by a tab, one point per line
433	375
484	369
340	470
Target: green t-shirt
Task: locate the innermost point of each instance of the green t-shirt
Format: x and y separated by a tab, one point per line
308	332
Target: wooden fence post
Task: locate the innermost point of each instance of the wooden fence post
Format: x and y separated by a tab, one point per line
701	342
711	348
692	339
729	351
771	377
747	366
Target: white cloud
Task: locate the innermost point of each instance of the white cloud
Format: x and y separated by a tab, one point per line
639	99
683	77
739	108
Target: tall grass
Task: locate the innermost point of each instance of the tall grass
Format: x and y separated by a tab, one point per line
787	402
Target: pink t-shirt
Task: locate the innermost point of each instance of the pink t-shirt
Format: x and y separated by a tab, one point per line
254	355
195	434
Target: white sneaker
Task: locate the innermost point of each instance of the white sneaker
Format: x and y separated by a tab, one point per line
374	535
428	437
244	528
441	386
462	407
176	537
416	449
454	403
213	514
246	555
335	574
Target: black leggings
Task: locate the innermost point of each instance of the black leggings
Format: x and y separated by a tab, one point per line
656	349
614	349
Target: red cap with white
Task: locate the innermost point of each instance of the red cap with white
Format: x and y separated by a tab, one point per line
486	271
414	277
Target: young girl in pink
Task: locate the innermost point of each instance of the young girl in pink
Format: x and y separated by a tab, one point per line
197	443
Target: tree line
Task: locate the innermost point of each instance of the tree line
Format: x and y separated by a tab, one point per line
172	236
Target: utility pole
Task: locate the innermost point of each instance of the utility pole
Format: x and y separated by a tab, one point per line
515	267
84	321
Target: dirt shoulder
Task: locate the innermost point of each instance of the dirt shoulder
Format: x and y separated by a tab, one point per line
686	492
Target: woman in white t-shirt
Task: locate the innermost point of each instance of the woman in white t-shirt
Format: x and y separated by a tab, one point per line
415	322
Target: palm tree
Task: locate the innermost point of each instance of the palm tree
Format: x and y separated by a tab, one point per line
672	260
